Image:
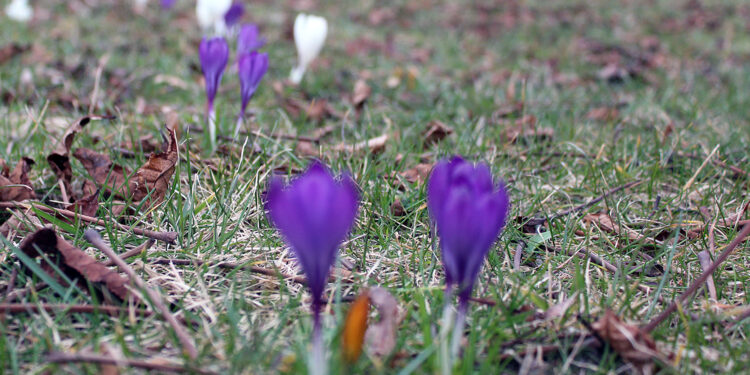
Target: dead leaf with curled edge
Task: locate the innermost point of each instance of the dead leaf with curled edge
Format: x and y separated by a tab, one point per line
15	185
151	181
59	159
76	264
381	336
630	342
373	145
361	92
435	132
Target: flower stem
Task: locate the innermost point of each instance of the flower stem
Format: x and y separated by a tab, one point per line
458	329
239	123
317	364
446	360
211	117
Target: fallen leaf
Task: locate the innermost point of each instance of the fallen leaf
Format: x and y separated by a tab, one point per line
76	264
418	173
374	145
436	131
605	222
11	50
306	149
151	180
397	208
634	345
87	205
603	114
558	310
381	336
15	185
59	160
104	172
361	92
355	326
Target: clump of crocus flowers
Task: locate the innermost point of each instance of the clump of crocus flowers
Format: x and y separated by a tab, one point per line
469	210
251	67
314	215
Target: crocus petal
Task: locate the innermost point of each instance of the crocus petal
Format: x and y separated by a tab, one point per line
167	4
309	36
19	10
234	14
251	69
214	54
210	13
248	40
314	214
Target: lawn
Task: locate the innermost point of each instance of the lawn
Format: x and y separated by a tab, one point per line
620	130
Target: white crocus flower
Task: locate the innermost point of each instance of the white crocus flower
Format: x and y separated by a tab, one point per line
19	10
140	5
211	14
309	35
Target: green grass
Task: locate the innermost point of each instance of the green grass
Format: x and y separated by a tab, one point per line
250	323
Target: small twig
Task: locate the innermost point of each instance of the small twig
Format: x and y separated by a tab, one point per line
11	282
52	308
185	340
168	237
705	260
595	200
517	256
698	171
60	357
97	77
133	252
699	281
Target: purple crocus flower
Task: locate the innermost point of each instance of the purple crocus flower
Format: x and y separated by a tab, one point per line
469	212
314	214
251	68
248	40
167	4
233	15
214	54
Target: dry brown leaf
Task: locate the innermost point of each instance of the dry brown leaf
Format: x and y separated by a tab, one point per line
15	185
151	181
11	50
381	336
397	208
104	172
355	326
361	92
418	173
634	345
558	310
59	160
373	145
87	205
603	114
436	131
306	149
76	264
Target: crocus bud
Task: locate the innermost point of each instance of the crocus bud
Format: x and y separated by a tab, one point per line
214	54
167	4
234	14
314	215
248	40
469	211
251	68
19	10
211	13
309	35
